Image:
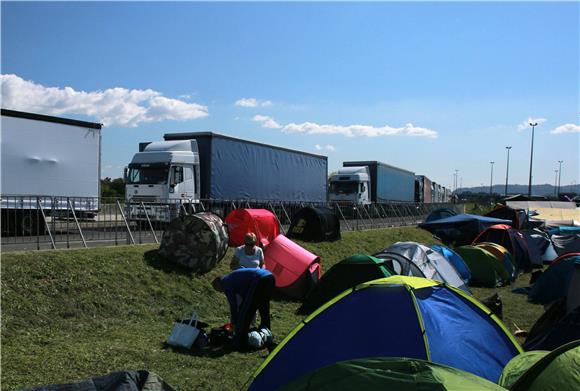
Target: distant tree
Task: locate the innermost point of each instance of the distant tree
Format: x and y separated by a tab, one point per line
112	188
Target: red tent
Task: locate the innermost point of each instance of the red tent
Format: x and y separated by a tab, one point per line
296	270
262	222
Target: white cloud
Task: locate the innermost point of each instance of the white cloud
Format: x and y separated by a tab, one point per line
359	130
329	148
318	147
348	131
267	122
113	106
253	102
526	124
567	128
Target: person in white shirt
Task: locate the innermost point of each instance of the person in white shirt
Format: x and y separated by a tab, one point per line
249	255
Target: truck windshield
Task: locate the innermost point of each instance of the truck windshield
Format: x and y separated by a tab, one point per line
346	187
148	175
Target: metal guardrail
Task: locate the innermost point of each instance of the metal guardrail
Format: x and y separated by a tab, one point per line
66	222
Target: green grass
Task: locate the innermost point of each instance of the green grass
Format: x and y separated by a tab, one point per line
70	315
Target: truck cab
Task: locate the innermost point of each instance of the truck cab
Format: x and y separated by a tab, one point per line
161	177
350	184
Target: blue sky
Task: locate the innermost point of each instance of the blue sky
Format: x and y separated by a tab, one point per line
429	87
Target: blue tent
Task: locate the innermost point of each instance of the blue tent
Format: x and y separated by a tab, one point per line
396	316
460	229
456	260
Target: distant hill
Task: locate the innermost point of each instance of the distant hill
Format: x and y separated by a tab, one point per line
542	190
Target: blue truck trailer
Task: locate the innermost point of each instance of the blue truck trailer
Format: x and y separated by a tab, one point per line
236	169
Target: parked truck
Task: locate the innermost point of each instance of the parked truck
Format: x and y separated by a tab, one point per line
363	182
188	167
50	165
423	189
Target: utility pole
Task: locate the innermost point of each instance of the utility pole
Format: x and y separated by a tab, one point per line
491	179
507	170
533	125
559	177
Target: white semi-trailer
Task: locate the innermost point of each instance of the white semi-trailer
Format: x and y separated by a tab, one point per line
49	165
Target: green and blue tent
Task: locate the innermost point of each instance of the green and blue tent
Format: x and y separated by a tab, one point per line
398	316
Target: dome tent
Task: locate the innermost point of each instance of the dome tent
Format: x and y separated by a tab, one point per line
519	365
456	260
314	224
486	269
519	217
389	373
461	229
556	327
395	317
296	269
346	274
197	241
513	241
558	370
554	282
439	214
431	264
262	222
502	255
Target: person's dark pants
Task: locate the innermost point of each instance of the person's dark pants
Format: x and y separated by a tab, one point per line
258	301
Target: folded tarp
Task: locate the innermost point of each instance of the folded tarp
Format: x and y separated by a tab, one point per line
460	229
566	244
296	269
116	381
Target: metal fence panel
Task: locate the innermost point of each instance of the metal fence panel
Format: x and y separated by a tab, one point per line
69	222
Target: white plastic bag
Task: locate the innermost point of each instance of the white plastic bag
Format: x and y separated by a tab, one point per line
184	334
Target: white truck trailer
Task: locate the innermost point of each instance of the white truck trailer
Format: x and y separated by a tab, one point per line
49	165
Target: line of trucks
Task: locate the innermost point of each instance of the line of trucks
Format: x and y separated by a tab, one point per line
44	157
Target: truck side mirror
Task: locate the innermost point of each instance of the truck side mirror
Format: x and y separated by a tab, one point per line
125	171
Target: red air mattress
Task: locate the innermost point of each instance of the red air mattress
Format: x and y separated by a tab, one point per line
296	270
262	222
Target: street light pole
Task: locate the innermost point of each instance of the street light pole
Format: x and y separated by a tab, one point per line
491	179
507	170
559	177
555	182
533	125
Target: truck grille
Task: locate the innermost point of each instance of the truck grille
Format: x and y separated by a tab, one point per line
145	198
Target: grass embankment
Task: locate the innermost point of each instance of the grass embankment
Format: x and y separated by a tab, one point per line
70	315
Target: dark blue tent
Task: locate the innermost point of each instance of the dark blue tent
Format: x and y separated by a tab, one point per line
554	328
460	229
439	214
393	317
554	282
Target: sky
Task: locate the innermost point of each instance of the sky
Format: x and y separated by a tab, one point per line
429	87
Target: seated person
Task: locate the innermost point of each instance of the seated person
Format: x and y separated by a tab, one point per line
249	255
248	290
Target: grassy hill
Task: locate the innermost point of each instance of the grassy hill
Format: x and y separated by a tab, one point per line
69	315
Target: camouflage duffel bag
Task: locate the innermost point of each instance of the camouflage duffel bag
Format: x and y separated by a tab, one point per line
197	241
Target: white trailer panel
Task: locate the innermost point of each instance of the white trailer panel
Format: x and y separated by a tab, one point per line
49	156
